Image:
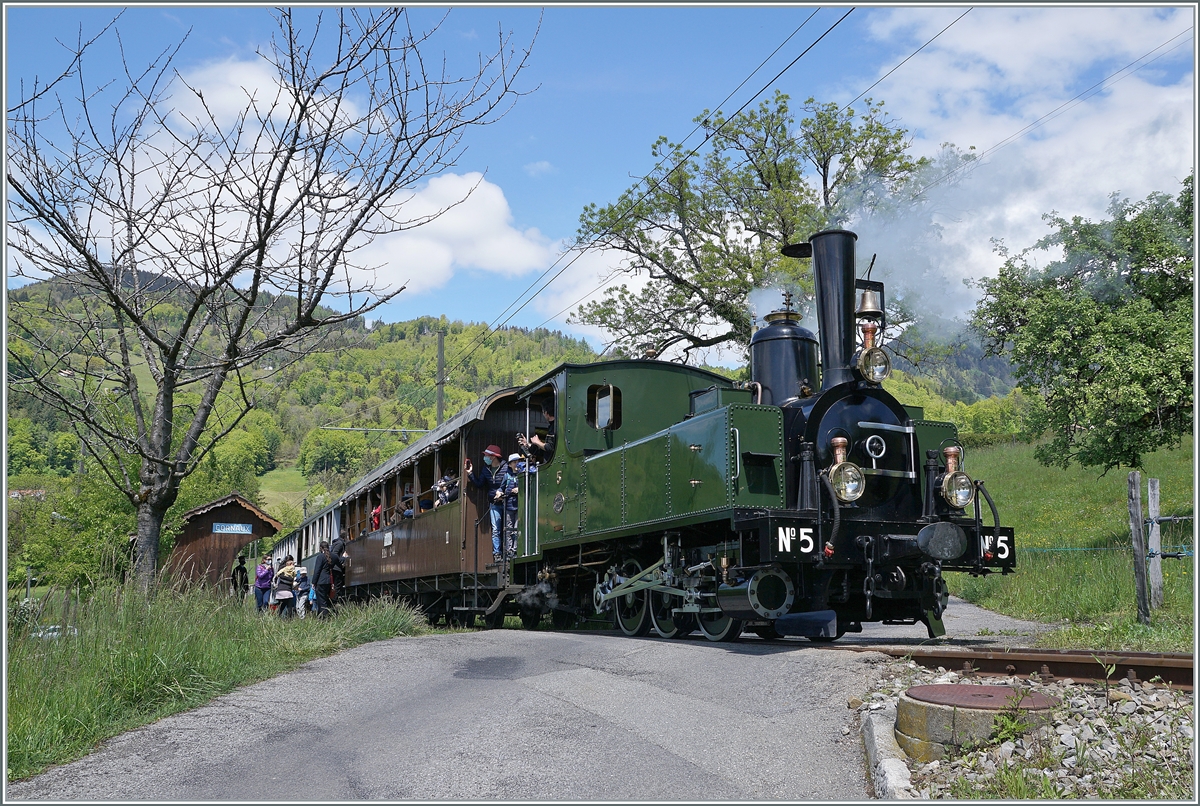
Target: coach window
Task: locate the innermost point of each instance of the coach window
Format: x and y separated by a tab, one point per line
604	407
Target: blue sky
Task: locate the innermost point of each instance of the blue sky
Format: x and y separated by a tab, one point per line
610	80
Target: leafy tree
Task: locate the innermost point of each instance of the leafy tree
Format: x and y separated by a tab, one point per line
247	449
326	451
709	229
22	447
79	530
1105	334
199	249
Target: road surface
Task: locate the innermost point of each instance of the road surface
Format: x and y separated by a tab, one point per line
516	715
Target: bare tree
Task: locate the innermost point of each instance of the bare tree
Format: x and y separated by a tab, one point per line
184	238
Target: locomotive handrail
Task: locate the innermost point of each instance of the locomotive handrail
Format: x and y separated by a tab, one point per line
737	456
904	429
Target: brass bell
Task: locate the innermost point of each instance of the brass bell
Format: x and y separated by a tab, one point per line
868	305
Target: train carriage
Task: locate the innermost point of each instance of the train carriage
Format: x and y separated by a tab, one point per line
802	502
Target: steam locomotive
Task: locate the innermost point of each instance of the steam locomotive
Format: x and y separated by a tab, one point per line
803	502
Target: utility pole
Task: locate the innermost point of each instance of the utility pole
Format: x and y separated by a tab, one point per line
441	373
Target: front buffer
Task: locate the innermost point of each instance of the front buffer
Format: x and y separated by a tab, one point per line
798	573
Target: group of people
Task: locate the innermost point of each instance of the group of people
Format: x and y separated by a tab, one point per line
501	480
289	586
444	490
295	594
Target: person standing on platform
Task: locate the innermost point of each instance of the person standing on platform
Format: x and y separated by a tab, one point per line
488	479
338	549
303	586
323	578
240	579
264	575
285	584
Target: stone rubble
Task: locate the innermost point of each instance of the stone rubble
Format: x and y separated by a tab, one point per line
1140	735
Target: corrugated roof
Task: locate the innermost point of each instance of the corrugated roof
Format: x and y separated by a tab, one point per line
427	444
233	498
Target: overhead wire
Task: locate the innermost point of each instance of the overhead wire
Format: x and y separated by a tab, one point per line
461	359
689	155
844	108
492	326
655	168
914	53
975	163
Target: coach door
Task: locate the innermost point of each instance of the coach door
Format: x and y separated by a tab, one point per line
502	417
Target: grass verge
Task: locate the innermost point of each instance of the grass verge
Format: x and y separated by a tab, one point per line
135	660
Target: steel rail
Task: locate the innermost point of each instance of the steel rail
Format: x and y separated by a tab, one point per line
1175	669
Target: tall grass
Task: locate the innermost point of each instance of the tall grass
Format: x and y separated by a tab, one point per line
136	659
1088	588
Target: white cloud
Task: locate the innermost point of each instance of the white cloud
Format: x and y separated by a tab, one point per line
475	231
539	168
999	70
227	87
469	224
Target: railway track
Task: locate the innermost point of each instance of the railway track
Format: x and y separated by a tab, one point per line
1172	668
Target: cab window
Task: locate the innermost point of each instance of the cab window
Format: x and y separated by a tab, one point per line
604	407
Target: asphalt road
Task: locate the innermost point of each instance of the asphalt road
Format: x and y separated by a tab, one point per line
516	715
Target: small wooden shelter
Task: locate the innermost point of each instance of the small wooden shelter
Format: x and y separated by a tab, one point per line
212	536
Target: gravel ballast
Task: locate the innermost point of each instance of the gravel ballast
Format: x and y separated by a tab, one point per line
1135	742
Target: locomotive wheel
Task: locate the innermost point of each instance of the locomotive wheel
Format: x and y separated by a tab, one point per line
464	619
496	620
530	619
766	632
664	623
630	612
719	627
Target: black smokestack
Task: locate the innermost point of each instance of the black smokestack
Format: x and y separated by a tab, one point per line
833	271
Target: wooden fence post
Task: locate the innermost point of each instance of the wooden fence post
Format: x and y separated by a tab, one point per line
1155	545
1139	546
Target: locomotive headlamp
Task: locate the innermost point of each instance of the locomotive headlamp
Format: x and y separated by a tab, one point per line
957	487
874	365
847	478
848	481
872	362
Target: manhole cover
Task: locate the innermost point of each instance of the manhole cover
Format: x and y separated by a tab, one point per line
990	698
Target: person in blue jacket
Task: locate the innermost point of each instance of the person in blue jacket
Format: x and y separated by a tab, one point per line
489	478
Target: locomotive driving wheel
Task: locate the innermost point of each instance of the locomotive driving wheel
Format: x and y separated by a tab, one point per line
631	611
719	627
665	623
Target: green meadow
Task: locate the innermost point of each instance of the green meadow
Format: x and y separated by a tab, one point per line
1074	551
